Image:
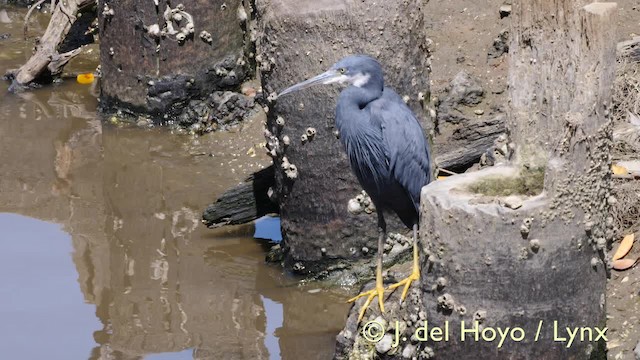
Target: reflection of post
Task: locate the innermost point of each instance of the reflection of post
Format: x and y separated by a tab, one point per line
38	155
310	325
167	296
55	174
310	319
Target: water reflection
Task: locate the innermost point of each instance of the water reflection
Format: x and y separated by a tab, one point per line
155	283
40	292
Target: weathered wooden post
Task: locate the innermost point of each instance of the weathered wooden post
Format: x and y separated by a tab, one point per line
313	180
532	260
166	58
519	248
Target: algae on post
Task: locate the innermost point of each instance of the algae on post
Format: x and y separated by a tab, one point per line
528	182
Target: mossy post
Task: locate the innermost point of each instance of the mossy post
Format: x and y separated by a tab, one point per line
532	262
300	39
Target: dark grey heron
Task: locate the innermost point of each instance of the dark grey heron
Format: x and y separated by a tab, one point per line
387	151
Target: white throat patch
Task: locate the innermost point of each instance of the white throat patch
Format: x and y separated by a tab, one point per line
359	79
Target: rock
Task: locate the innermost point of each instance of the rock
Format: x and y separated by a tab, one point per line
427	353
626	136
512	202
195	112
274	255
505	10
380	320
630	48
464	90
230	107
408	351
221	110
478	112
636	351
500	45
384	345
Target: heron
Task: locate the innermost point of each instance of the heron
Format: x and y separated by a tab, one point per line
387	151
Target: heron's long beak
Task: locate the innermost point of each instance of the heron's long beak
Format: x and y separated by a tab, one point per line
324	78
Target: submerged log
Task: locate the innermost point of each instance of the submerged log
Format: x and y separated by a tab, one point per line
313	180
243	203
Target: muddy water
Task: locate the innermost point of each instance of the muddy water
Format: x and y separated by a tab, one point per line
103	254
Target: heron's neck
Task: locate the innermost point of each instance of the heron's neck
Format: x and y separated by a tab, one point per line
356	98
350	110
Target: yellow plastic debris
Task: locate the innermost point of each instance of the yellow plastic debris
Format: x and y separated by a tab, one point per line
85	79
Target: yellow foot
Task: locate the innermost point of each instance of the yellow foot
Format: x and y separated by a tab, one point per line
415	275
377	291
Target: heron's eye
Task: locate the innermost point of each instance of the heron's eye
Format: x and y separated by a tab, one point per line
342	70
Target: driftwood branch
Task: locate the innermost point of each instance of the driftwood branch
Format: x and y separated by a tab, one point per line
469	142
58	61
630	48
243	203
46	58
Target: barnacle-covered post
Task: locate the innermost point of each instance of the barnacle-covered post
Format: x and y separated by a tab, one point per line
525	245
313	180
165	58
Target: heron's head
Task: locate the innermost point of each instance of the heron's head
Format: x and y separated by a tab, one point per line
355	70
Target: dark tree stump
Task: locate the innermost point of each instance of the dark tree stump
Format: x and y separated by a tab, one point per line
301	39
150	69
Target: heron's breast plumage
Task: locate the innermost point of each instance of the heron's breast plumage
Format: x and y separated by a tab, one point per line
387	150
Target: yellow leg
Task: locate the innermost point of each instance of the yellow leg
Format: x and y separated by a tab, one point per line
371	294
379	289
415	273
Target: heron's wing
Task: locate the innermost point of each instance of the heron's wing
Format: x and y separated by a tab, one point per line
404	144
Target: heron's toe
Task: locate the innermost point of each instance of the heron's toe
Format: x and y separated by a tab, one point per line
406	282
371	294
